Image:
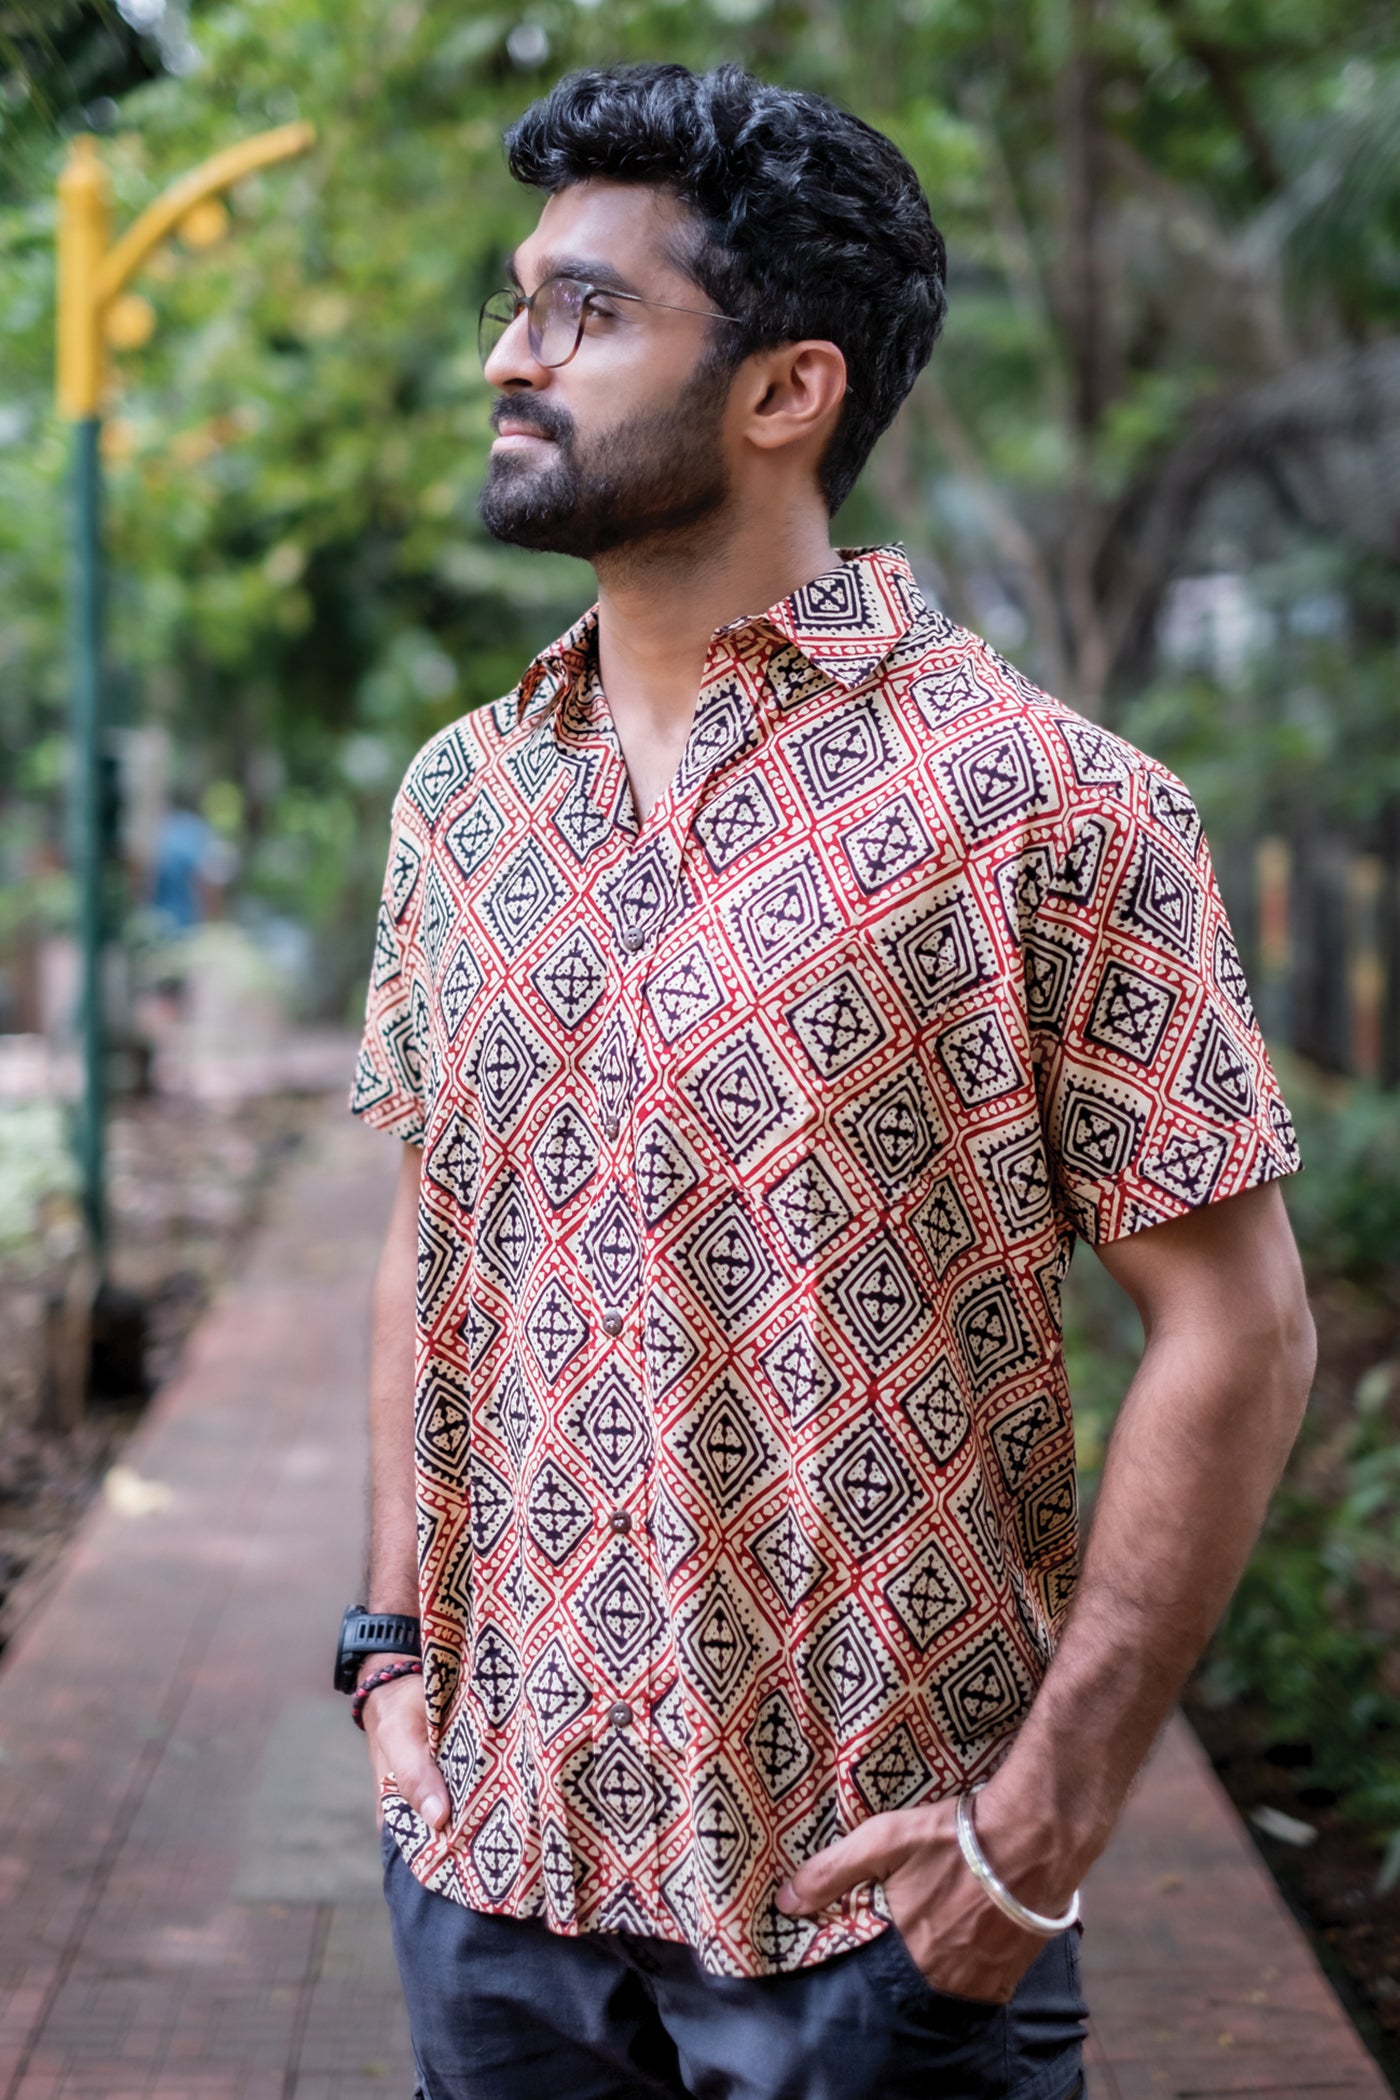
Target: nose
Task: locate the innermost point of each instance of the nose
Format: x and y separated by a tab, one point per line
511	364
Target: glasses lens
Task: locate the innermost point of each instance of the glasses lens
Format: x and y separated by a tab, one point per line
556	320
496	316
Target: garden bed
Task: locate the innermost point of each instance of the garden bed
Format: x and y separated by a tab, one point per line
187	1181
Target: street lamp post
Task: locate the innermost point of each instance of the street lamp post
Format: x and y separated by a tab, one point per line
91	279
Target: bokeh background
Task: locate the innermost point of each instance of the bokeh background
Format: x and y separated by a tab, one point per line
1156	460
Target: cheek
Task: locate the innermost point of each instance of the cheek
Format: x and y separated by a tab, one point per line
625	380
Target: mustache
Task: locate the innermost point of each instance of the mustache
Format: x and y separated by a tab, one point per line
543	416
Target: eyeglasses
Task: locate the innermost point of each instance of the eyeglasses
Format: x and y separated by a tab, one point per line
556	312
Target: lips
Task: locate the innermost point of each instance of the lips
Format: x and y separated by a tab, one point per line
512	420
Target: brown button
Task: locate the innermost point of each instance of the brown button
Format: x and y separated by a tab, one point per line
612	1323
621	1520
611	1128
620	1714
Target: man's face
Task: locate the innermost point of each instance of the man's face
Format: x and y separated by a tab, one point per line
624	443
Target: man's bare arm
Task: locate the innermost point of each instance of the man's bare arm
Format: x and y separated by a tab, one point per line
1194	1458
396	1721
1196	1452
393	1551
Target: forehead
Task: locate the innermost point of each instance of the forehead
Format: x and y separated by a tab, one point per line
634	227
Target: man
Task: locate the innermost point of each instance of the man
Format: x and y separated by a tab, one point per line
767	993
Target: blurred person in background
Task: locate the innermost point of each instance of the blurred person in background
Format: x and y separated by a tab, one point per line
768	993
192	867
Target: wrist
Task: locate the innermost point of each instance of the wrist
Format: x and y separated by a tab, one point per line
370	1665
1040	1854
390	1673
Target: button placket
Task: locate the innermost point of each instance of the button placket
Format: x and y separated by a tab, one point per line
634	955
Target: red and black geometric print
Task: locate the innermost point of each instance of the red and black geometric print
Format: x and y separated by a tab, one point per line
755	1136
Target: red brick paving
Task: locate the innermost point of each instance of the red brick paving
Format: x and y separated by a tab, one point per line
1200	1981
136	1707
159	1941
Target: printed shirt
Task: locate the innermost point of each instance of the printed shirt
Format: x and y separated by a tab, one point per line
756	1136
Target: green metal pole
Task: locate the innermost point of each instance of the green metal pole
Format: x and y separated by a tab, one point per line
86	818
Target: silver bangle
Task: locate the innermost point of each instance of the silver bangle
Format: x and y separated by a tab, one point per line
995	1887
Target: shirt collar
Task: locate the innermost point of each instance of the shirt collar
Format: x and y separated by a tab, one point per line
846	622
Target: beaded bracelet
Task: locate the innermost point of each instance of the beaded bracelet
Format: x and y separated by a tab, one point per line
384	1676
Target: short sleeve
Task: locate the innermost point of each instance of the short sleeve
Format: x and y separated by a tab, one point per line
391	1079
1156	1089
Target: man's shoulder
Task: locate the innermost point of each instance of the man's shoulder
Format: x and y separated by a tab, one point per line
488	734
998	740
457	754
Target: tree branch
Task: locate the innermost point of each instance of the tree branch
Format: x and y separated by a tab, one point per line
930	405
1022	272
1327	430
1084	302
1227	258
1221	69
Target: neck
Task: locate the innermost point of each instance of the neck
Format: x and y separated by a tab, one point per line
659	606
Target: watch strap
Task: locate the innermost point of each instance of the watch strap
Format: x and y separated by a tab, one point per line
364	1632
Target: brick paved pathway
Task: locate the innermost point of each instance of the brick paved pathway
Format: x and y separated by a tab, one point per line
189	1903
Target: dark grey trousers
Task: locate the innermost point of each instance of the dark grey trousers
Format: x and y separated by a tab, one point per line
504	2009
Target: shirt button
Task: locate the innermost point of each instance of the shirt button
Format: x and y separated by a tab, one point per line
620	1714
612	1323
633	939
611	1127
621	1520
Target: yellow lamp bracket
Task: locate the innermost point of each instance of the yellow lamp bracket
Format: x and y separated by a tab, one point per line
92	278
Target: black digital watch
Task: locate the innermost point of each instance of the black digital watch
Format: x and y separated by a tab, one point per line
365	1633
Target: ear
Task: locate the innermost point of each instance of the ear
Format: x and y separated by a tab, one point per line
794	394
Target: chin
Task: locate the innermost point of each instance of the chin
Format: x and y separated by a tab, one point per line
526	506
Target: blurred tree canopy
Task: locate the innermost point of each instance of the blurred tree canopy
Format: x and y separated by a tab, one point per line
1173	352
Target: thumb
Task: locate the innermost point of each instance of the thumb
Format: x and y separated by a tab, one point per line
422	1790
399	1743
866	1854
421	1784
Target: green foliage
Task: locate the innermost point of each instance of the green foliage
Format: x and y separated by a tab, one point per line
1300	1642
1311	721
1345	1206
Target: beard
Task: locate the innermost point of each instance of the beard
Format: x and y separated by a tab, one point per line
649	478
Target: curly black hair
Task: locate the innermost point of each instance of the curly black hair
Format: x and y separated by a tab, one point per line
810	223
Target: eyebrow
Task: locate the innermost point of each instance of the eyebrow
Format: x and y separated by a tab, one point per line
590	268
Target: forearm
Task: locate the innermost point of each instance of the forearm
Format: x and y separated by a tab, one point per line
1200	1441
392	1582
396	1721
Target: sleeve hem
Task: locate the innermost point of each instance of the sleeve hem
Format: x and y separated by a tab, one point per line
1138	1208
394	1118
